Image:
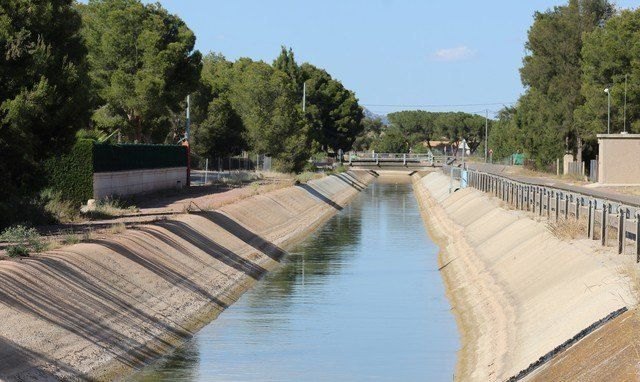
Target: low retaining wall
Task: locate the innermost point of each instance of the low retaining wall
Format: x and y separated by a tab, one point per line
124	183
102	309
518	292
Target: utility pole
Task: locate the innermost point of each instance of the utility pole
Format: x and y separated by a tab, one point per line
486	135
186	140
608	91
304	97
624	113
188	122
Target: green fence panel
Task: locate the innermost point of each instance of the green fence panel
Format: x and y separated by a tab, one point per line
126	157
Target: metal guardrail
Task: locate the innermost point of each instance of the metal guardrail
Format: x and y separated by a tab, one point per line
601	215
377	158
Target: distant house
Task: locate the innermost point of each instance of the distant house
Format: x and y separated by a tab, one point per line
448	148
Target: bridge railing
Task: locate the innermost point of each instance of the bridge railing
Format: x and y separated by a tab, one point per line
427	159
604	219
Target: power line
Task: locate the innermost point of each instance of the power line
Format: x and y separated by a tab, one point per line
442	105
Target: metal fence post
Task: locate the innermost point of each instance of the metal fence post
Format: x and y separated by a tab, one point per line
557	200
548	204
540	197
566	206
603	228
638	237
578	200
591	220
520	198
621	229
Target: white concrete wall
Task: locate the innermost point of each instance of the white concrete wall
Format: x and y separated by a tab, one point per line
123	183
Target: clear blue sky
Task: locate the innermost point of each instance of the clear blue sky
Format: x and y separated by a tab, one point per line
390	52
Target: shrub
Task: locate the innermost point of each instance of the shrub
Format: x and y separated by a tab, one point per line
71	175
25	240
307	176
60	209
70	239
17	251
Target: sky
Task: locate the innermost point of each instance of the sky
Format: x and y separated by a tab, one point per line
394	54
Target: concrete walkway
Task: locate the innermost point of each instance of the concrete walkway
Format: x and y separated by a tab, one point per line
508	172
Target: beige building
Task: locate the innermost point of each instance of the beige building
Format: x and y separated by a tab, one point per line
619	159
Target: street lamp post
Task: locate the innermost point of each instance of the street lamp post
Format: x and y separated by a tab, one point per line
608	91
486	134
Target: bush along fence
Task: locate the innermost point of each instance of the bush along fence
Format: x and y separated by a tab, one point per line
606	219
96	170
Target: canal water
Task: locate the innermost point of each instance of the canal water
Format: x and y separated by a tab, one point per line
361	299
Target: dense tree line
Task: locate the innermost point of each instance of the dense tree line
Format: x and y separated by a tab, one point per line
250	105
121	70
43	96
574	52
414	130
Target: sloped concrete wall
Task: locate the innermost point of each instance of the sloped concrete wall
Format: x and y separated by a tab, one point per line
517	290
101	309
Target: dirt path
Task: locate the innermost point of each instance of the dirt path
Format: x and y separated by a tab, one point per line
612	353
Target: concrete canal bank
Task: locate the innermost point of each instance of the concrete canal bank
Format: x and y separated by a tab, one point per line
518	291
103	308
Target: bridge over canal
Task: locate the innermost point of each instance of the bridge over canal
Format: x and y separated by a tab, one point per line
397	160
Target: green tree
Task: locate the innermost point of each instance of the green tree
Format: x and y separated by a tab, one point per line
370	133
286	62
43	94
142	65
551	75
609	54
266	100
332	111
221	133
392	140
505	137
218	130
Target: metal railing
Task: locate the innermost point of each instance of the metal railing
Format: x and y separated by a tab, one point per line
377	158
603	216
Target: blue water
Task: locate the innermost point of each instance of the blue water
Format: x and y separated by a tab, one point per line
359	300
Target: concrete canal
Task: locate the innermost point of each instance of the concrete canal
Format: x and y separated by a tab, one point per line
361	299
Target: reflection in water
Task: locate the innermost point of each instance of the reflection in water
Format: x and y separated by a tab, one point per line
361	299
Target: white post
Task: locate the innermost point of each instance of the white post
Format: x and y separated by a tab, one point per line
304	97
486	129
206	170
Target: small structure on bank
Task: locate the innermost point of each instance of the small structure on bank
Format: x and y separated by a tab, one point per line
98	170
619	159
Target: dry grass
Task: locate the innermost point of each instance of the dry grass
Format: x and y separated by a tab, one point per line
113	207
71	238
116	229
630	272
88	234
575	178
568	229
308	176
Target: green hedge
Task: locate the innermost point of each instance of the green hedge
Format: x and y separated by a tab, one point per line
124	157
72	174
